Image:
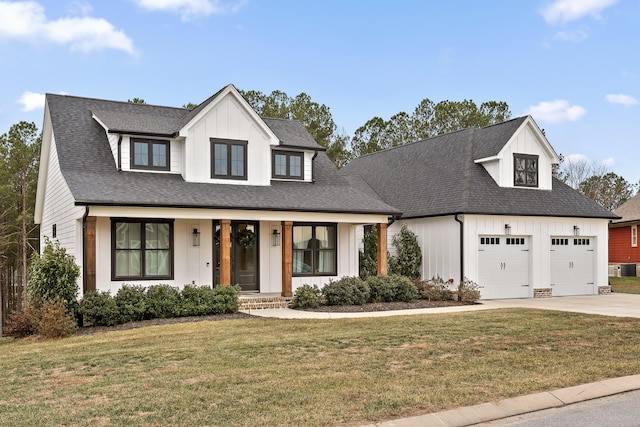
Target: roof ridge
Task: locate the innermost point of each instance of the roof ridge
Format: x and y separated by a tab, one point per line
113	101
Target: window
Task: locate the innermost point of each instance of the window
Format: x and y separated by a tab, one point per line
288	165
314	250
141	249
634	235
228	159
150	154
54	231
525	170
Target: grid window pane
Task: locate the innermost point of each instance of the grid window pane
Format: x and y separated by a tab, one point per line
237	160
141	154
280	166
220	156
160	155
128	263
295	165
127	235
314	250
131	259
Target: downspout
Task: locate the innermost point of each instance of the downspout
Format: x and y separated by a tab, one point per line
120	152
461	247
84	252
315	154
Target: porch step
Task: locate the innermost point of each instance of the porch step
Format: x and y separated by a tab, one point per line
250	302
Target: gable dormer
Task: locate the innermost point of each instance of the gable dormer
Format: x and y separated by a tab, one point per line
522	158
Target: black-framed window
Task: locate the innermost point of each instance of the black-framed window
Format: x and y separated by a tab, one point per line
228	158
525	170
141	249
151	154
314	249
287	164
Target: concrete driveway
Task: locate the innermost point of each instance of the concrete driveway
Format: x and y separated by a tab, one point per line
620	305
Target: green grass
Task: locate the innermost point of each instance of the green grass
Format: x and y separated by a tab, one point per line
260	372
625	285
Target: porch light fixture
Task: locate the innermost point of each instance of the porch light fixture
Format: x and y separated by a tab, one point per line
275	238
196	237
576	230
507	229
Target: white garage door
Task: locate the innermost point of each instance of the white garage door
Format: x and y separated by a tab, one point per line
503	267
572	265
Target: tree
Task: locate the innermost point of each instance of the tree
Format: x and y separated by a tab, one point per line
19	160
369	256
427	120
136	101
189	106
408	256
609	190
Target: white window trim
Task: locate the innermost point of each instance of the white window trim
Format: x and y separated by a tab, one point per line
634	236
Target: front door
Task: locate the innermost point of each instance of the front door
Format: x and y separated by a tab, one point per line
244	255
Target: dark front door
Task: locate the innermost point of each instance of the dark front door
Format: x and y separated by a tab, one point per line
244	254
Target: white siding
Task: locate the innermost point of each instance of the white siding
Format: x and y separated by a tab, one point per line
308	162
227	119
526	142
59	209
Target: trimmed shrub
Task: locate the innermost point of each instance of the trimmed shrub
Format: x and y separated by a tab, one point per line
435	289
225	299
99	309
22	323
468	291
403	289
53	320
197	300
306	296
408	254
52	276
162	301
346	291
381	289
131	303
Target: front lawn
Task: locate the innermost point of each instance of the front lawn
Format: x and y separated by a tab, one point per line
261	372
625	285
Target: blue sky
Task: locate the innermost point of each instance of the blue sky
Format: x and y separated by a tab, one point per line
574	65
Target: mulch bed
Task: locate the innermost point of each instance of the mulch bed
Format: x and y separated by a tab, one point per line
386	306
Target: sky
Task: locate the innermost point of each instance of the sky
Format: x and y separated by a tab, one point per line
573	65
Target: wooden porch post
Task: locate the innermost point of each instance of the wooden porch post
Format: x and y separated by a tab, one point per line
90	254
287	257
225	252
382	248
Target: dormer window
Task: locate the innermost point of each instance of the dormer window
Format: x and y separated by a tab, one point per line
288	165
525	170
228	158
149	154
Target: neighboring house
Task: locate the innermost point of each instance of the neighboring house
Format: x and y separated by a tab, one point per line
624	253
485	206
142	194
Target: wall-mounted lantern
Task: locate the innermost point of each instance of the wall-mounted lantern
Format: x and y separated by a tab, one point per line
275	238
196	237
507	229
576	230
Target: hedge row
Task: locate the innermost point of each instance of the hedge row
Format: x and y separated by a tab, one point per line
134	302
355	291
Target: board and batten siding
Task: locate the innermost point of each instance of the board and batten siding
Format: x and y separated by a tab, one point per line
59	209
228	119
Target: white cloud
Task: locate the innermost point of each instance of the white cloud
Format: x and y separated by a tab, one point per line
571	36
31	101
556	111
563	11
576	158
27	20
621	99
191	9
80	8
608	163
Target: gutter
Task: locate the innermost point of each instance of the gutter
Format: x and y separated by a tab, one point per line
458	220
84	252
315	154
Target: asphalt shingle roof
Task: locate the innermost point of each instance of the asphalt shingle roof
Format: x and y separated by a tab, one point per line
89	169
438	176
629	211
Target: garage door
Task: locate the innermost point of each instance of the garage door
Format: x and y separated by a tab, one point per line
572	265
503	267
